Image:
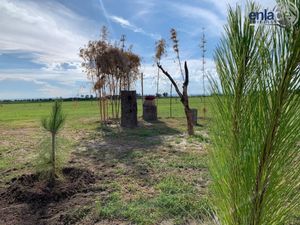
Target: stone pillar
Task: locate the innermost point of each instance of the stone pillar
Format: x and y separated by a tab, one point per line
149	109
194	116
128	109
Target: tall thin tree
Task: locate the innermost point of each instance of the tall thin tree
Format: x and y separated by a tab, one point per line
184	98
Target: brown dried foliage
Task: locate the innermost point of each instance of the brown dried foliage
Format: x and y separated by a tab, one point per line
160	49
110	67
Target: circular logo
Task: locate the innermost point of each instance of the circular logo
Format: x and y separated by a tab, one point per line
287	14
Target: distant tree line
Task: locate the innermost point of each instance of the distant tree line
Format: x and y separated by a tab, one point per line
87	98
82	98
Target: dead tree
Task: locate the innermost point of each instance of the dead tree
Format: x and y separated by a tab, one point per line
184	98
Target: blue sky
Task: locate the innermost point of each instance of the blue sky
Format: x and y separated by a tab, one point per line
40	40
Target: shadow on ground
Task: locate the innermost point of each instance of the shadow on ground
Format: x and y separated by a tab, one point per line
113	147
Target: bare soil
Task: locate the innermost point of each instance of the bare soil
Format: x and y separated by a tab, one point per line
29	200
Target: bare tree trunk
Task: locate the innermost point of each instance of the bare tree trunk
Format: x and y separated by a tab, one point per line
185	102
142	86
171	101
184	98
189	117
157	88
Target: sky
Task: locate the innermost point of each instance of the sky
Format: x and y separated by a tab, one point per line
40	41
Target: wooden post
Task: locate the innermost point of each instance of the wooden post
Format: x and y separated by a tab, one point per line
194	116
142	86
149	110
128	109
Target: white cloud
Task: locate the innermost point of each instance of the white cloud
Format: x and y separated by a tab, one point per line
122	21
128	25
52	32
51	83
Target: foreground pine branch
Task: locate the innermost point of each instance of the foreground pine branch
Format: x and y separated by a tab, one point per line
255	160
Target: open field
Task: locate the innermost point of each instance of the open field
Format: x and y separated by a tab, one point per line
14	113
153	174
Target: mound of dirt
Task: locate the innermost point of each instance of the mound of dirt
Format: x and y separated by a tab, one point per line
30	189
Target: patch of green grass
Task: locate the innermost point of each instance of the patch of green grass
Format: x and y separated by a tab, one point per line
120	171
153	161
5	162
7	159
143	211
176	200
199	138
134	154
140	211
189	160
179	199
112	207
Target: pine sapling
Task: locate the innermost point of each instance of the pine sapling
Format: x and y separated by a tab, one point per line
53	124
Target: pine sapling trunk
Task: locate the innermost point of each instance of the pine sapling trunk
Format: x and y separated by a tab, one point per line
53	158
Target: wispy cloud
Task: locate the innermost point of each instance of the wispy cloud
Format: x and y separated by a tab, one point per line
124	23
106	16
47	82
128	25
199	15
